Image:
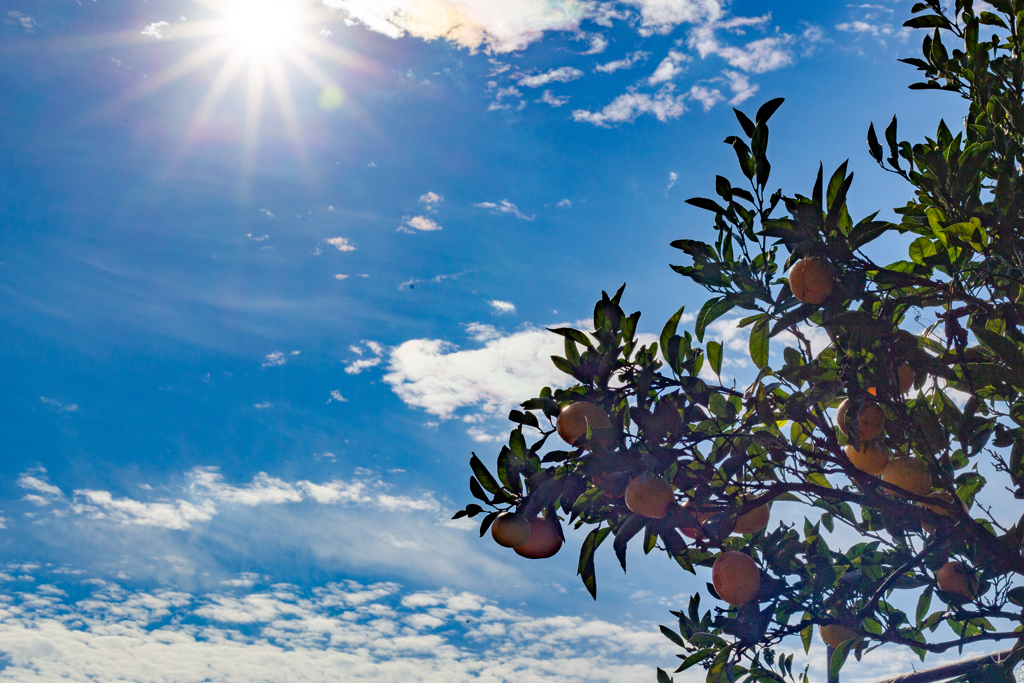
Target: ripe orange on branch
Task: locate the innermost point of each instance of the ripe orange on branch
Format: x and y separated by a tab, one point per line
811	280
649	496
510	530
544	540
753	521
953	577
910	474
869	458
572	421
735	577
871	424
835	635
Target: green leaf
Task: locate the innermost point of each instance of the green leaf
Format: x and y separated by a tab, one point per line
839	658
923	603
696	657
990	19
630	528
575	335
873	146
767	109
586	564
672	635
486	523
714	355
663	677
759	343
708	204
669	330
712	310
484	477
745	123
478	491
927	21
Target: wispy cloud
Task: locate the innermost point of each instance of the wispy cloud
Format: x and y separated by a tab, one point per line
562	74
27	23
504	206
554	100
57	406
672	178
627	62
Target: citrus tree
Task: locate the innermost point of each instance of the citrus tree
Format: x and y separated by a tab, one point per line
891	430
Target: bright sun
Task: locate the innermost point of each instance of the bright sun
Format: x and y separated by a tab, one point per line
262	27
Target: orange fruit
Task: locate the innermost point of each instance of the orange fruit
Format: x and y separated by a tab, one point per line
649	496
910	474
905	378
811	280
510	530
753	521
870	458
872	421
835	635
954	577
544	540
572	421
735	577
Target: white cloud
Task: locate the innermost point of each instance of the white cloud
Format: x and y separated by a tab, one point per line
627	62
481	332
505	206
441	378
156	30
274	359
661	16
27	23
741	87
562	74
598	43
664	105
336	396
431	198
340	243
758	56
125	511
708	97
499	27
375	351
357	366
261	238
263	406
376	632
669	68
672	178
564	204
554	100
502	306
422	223
57	406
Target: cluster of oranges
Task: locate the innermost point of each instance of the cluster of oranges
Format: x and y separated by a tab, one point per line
734	575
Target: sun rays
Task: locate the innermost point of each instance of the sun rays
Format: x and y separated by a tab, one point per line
258	43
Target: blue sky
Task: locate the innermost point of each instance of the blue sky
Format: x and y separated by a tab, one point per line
245	362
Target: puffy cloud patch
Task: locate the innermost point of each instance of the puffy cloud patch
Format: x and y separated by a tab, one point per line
471	24
155	30
669	68
664	105
441	378
502	306
243	632
421	223
340	243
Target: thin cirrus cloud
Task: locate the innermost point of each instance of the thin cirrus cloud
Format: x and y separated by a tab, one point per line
563	74
504	206
627	62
